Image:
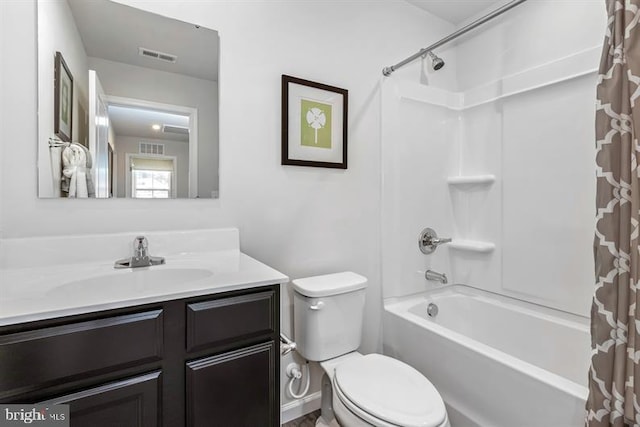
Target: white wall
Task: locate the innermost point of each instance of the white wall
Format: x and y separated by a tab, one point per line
57	32
523	111
302	221
533	33
131	144
130	81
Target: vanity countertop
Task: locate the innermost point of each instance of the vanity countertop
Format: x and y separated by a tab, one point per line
38	293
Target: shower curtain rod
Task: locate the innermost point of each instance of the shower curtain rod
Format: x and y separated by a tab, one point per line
388	70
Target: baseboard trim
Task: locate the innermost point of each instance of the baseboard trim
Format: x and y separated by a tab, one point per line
300	407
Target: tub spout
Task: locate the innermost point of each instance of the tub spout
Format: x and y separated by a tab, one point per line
434	275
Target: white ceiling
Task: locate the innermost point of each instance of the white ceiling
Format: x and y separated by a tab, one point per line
137	122
456	11
114	32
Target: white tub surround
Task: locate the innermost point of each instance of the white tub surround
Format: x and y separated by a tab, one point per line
469	163
495	360
60	276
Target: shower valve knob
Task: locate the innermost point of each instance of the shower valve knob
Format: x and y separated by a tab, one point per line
428	241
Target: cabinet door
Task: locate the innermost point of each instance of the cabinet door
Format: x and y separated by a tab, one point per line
129	403
234	389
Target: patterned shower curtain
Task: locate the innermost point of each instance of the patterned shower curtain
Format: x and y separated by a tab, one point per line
614	376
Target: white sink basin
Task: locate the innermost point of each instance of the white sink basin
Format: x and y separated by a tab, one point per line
133	281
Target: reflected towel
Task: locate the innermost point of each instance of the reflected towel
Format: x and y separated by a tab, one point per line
74	168
89	164
76	172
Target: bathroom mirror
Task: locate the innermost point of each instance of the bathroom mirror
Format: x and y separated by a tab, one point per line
127	103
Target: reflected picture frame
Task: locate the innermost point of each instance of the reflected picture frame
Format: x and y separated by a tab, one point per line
63	99
314	124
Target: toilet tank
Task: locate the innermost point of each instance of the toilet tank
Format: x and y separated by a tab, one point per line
328	314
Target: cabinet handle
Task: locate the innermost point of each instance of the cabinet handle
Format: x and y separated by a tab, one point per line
317	306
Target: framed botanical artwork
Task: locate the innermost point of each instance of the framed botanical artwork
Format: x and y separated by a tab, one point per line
63	99
314	124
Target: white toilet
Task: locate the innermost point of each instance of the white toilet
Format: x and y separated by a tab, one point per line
369	390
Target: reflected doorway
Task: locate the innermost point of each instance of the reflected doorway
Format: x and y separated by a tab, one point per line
155	149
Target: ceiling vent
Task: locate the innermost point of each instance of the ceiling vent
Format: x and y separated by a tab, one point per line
161	56
175	129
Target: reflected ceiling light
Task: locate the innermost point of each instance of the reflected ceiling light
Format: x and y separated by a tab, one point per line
156	127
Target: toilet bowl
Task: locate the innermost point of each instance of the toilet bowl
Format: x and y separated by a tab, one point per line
358	390
377	390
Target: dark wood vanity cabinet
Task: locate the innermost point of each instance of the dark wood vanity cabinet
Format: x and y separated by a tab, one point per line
205	361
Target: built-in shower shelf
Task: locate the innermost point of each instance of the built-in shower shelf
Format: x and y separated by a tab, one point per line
468	180
472	246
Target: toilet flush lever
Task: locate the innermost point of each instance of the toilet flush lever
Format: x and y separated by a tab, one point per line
317	306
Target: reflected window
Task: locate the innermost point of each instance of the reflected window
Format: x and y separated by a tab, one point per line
151	184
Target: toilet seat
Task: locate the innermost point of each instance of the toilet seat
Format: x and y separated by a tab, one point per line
386	392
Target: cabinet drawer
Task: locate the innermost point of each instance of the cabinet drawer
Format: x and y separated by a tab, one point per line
59	354
210	323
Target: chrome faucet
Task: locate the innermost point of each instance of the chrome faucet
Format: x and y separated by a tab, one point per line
434	275
140	247
140	257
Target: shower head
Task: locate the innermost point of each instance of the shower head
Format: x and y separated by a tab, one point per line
436	61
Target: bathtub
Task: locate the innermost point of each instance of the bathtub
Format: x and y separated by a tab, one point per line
496	361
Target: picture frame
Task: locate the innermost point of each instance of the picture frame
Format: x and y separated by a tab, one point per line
314	124
63	100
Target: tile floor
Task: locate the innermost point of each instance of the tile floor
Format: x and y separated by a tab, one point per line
308	420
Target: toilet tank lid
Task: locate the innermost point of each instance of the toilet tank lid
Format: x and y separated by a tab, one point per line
329	284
